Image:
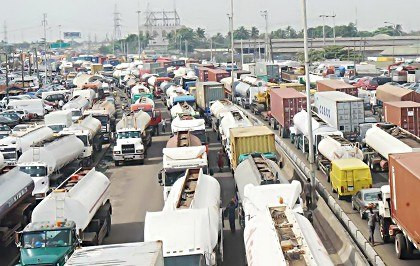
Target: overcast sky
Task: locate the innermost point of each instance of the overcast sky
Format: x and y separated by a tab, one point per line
23	17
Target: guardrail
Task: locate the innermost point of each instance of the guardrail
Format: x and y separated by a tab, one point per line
303	171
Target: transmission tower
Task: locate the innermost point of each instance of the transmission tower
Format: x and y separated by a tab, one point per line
117	27
5	32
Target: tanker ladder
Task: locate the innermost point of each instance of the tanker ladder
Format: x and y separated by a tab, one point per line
188	189
265	170
183	139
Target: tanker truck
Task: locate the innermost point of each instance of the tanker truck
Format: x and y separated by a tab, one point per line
105	112
44	161
77	106
133	138
176	161
276	233
183	108
176	94
58	120
183	139
385	139
299	131
88	131
334	147
256	169
148	105
16	204
190	224
188	123
140	91
232	119
17	143
78	212
218	109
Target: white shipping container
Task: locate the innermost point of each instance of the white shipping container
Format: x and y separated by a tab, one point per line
340	110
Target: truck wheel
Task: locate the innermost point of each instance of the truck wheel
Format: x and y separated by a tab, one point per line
117	163
108	223
383	230
141	161
400	246
340	197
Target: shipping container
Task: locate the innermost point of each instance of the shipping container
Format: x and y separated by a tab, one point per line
238	73
340	110
267	71
284	104
217	74
297	86
404	181
207	92
249	67
255	139
390	93
336	85
203	74
405	114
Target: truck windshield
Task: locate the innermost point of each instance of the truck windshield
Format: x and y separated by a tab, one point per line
104	119
34	171
53	238
76	113
128	135
189	260
84	139
171	177
56	128
371	196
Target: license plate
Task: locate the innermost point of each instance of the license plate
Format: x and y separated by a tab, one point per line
129	157
350	188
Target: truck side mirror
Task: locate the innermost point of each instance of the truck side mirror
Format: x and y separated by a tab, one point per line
211	171
17	239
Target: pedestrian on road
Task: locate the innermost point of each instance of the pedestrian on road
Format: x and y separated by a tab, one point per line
372	219
220	159
307	191
163	125
231	210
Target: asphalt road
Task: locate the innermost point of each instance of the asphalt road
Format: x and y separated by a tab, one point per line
135	190
385	250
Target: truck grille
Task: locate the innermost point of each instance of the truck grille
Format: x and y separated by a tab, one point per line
128	148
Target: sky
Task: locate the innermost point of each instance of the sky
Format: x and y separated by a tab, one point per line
95	17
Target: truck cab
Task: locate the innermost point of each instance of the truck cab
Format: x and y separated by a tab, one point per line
92	143
129	146
43	243
38	171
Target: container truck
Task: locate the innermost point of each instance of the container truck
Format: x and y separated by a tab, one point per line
197	127
88	131
133	138
399	204
126	254
206	94
77	106
232	119
16	204
58	120
44	161
267	71
342	111
183	109
17	143
247	140
77	213
405	114
176	161
216	75
334	147
299	133
285	104
336	85
190	224
275	232
35	107
105	112
258	170
385	139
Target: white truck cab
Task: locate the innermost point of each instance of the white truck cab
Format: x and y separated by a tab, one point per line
129	146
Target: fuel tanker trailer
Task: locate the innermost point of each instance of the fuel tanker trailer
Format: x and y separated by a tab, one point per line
78	212
105	112
45	160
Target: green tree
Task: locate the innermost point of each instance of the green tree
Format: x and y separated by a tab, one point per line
255	32
241	33
201	33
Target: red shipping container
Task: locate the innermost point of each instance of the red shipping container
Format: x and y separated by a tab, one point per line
404	181
284	104
217	74
336	85
405	114
203	73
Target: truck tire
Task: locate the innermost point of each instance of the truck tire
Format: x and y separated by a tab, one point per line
108	222
141	161
117	163
401	246
383	229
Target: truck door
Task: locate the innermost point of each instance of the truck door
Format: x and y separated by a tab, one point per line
350	180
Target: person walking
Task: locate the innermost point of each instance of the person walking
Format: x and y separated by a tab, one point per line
231	210
307	192
163	123
220	159
372	219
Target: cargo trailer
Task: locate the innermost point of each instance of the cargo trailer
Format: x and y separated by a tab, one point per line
217	75
405	114
206	94
336	85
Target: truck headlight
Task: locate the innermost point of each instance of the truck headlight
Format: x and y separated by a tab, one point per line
139	151
117	152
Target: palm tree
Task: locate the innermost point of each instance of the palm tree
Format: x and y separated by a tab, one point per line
200	33
255	32
241	33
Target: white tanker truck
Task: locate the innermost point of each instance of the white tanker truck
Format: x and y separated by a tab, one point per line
133	138
105	112
190	224
218	109
232	119
45	160
77	212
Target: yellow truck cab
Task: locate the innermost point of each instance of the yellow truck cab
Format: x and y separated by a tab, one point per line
348	176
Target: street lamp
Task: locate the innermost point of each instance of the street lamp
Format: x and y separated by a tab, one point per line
323	25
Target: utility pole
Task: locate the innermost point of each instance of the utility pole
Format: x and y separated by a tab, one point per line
211	49
333	17
44	23
186	48
7	77
242	53
138	32
232	51
36	64
59	32
30	65
323	27
22	68
89	43
5	32
266	52
308	103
